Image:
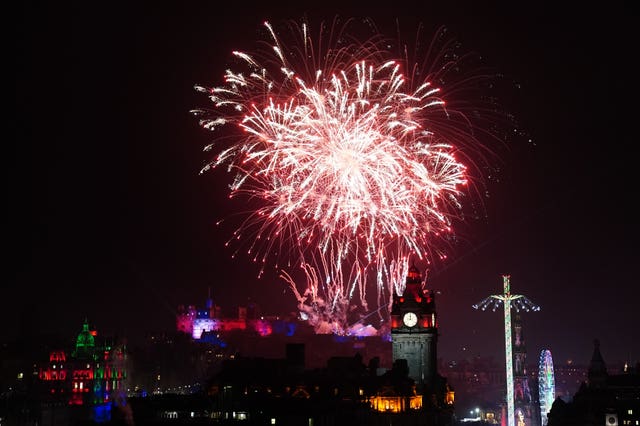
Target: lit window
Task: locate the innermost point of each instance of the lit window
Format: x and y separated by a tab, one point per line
273	421
630	412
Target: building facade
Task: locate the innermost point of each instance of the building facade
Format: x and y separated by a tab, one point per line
86	383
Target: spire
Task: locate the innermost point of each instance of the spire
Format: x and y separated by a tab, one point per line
413	288
597	372
209	301
414	276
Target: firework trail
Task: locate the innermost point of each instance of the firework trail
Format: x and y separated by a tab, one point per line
357	167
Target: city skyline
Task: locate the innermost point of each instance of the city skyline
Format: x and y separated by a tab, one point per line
110	220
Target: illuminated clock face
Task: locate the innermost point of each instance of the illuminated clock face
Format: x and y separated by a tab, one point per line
410	319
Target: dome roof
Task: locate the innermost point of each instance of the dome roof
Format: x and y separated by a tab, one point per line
85	339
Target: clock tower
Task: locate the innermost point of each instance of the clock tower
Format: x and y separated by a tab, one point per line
414	332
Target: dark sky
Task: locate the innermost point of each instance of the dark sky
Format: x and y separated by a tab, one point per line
110	220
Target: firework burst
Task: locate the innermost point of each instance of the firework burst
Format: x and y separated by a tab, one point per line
357	167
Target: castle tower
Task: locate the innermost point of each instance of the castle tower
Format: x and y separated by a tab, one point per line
414	332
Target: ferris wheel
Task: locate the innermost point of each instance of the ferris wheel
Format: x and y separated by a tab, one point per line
546	383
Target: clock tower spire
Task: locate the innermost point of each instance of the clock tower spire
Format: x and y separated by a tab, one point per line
414	331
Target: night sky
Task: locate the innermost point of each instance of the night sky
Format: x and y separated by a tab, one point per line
110	220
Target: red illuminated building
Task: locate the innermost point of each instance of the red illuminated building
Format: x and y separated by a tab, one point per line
90	381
